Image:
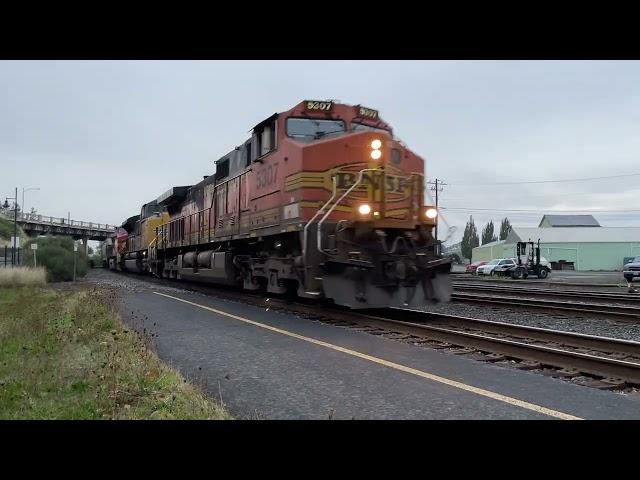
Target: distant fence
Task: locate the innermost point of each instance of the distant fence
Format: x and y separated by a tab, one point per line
10	257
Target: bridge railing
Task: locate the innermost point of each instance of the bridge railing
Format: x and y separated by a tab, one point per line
61	221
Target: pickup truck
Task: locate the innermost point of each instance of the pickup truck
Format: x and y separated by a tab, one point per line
631	270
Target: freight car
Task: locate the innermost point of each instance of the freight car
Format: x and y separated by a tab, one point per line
323	201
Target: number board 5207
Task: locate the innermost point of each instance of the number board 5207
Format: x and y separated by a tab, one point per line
315	105
367	113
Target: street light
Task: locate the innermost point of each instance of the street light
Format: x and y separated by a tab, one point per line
26	190
15	224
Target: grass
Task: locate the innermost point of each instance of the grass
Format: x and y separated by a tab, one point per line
67	355
22	276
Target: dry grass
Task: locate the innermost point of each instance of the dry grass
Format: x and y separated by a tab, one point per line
22	277
66	355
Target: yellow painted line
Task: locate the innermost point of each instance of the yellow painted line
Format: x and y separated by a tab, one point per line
452	383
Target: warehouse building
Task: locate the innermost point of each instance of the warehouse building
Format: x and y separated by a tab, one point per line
562	221
570	242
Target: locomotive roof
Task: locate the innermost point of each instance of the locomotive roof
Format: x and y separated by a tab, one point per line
266	121
130	222
332	109
174	194
336	109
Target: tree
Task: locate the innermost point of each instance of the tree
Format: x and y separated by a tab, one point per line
9	211
454	257
487	233
469	239
505	228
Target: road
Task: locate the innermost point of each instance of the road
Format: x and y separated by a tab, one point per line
267	364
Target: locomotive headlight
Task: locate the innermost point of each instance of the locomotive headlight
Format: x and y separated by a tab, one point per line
364	209
431	213
376	153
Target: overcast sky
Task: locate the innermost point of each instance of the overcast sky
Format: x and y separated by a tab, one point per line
102	137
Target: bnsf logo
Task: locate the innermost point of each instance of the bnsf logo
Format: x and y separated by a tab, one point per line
394	184
398	185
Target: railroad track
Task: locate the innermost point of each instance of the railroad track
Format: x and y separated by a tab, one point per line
612	363
608	310
617	297
616	361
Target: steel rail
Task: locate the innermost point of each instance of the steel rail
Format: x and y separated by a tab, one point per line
592	308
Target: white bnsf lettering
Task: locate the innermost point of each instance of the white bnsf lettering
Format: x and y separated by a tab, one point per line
322	106
394	184
367	112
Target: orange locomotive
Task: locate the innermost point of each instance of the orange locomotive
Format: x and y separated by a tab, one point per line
322	201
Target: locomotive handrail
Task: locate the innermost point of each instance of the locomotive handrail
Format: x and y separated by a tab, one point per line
349	190
320	211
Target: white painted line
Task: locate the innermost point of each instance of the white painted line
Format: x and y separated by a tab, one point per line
430	376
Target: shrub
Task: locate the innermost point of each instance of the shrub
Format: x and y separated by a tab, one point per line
56	255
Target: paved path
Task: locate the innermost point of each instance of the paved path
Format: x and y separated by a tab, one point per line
266	364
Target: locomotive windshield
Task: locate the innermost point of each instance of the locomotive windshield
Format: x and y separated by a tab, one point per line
312	129
360	127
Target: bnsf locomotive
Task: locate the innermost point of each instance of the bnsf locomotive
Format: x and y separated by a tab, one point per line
322	201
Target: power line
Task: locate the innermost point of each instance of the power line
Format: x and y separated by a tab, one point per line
551	181
536	211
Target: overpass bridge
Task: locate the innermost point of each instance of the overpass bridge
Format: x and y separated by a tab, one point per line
34	225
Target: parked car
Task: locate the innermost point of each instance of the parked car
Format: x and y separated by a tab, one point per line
631	270
472	267
504	265
489	268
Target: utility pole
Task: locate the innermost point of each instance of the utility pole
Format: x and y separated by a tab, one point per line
436	186
15	225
